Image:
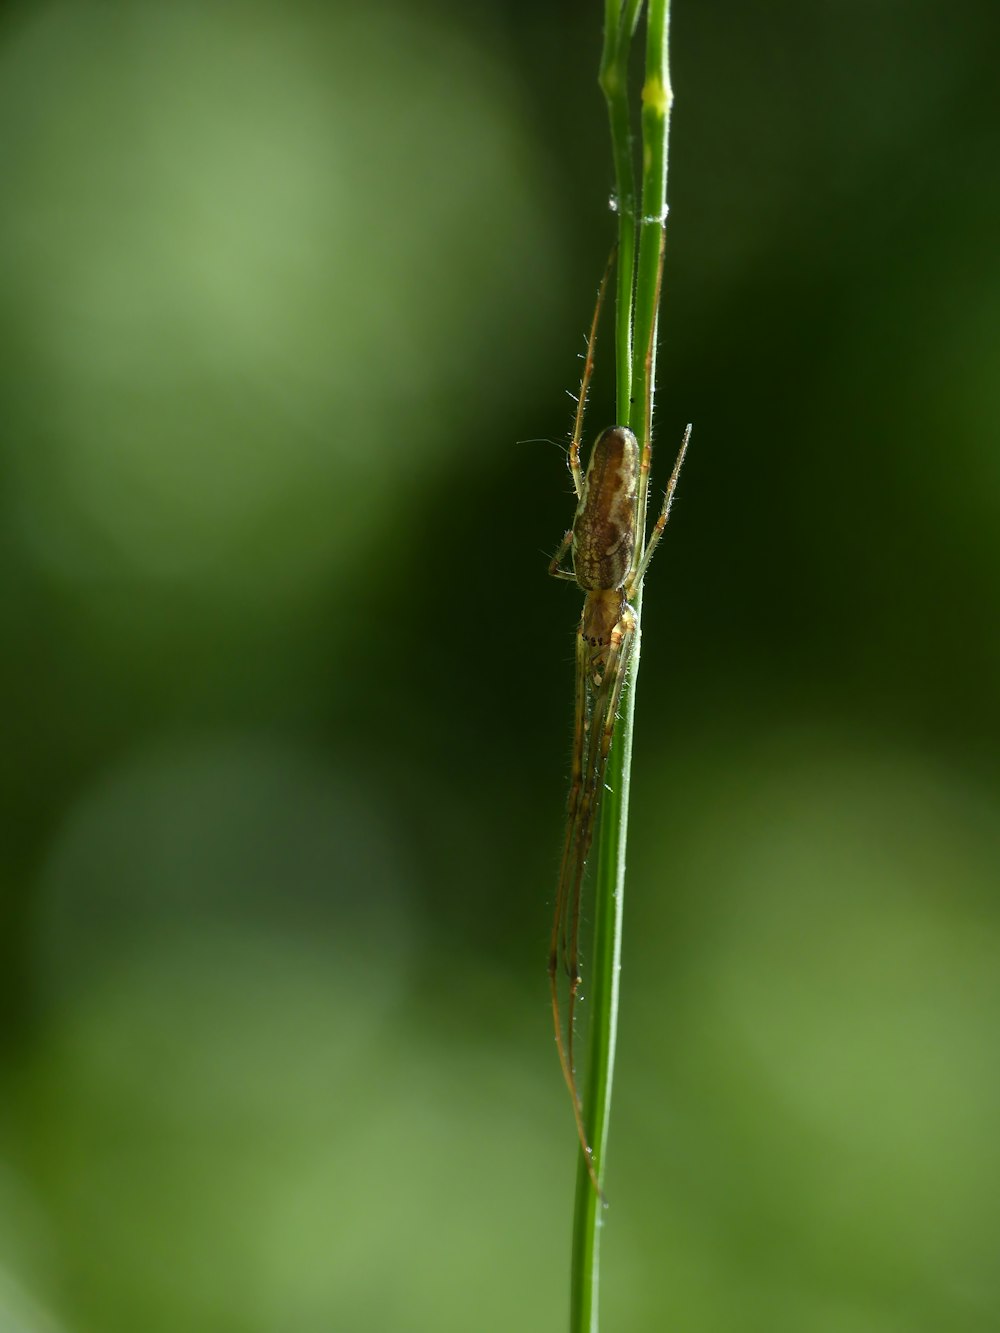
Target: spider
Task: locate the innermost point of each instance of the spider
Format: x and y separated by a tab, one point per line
609	560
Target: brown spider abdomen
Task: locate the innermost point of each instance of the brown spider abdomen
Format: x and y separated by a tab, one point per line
604	528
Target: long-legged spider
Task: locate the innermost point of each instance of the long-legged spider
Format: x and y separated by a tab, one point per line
610	558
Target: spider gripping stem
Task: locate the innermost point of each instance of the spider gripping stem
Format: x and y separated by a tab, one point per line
609	562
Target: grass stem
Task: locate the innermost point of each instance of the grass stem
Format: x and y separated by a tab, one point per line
636	314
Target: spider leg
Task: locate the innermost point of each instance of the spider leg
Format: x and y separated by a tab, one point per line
557	559
645	459
603	715
573	457
594	729
557	947
661	521
559	944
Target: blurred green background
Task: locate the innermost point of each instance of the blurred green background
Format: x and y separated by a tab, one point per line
292	294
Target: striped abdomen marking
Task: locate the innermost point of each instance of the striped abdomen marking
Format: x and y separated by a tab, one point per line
604	528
